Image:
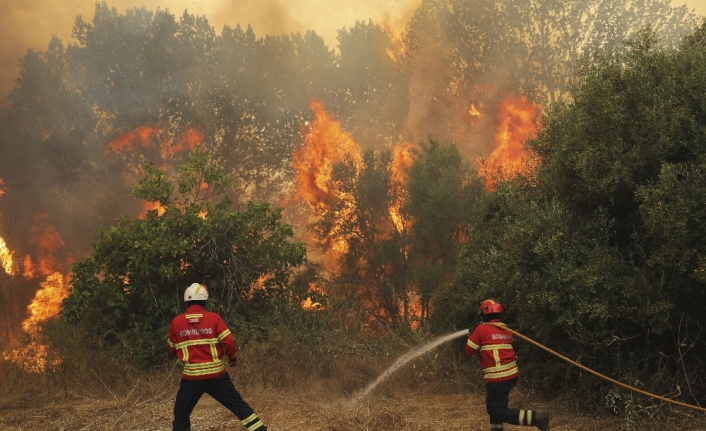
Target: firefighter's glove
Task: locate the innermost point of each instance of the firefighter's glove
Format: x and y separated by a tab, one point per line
233	361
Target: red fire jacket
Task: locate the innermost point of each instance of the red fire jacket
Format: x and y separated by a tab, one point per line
199	339
497	357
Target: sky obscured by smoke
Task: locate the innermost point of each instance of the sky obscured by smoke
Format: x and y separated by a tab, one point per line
30	24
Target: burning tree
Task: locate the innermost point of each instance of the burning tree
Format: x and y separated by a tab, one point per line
392	219
603	255
131	286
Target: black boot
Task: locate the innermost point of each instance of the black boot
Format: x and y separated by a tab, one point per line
541	421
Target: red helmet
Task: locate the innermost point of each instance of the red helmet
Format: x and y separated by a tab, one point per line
490	306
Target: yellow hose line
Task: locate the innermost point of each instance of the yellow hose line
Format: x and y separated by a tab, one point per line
597	374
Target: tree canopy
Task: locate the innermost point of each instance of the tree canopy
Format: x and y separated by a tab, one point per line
601	256
132	285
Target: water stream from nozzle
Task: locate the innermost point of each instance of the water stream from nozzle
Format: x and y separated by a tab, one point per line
402	360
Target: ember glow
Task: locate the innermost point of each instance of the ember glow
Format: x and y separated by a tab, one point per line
517	122
151	206
309	304
149	137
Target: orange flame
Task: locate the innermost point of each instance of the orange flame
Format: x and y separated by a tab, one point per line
414	310
6	257
308	304
2	190
151	206
48	238
36	357
189	139
146	135
47	301
398	49
517	118
402	159
28	268
324	146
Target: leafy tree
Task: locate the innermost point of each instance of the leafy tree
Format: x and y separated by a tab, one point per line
602	258
442	189
131	286
372	85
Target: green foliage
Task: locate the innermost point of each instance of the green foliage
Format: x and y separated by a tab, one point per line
131	286
602	259
441	190
400	240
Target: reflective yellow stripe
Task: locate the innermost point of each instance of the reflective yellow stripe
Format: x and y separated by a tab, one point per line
496	356
249	419
499	368
522	417
255	426
203	368
529	417
224	334
501	374
496	346
472	344
184	354
252	422
193	316
169	342
197	365
197	342
214	352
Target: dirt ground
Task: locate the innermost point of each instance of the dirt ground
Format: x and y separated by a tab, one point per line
307	408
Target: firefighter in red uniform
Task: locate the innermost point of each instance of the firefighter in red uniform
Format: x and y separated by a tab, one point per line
498	360
200	339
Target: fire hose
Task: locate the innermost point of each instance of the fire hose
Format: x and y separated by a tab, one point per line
595	373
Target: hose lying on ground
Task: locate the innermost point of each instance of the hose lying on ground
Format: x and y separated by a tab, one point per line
597	374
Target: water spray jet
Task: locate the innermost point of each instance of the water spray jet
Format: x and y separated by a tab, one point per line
402	361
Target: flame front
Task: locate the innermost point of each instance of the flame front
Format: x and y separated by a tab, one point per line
517	123
35	357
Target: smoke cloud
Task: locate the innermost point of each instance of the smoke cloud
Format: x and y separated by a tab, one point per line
30	24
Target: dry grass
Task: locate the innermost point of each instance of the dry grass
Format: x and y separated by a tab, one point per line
291	388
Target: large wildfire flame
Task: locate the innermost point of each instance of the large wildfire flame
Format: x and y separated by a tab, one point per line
517	123
35	357
326	144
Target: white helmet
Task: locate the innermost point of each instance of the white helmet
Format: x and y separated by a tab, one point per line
196	292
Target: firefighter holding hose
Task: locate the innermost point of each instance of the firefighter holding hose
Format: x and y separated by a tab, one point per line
200	340
498	360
